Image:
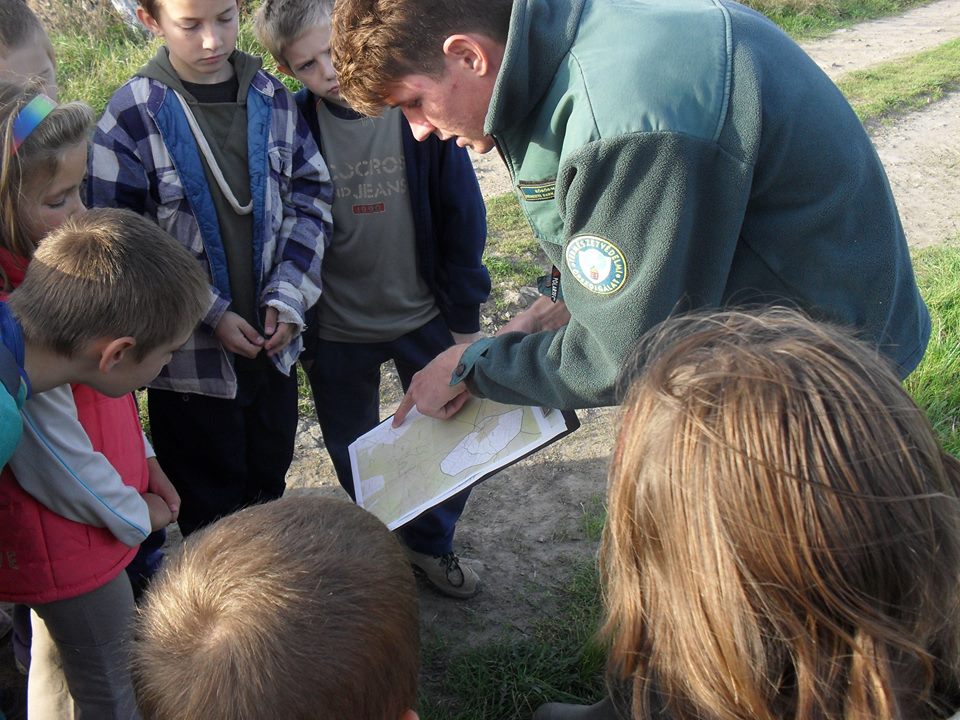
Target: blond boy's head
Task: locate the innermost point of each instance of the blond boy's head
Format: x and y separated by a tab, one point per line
297	34
110	276
301	608
25	49
277	23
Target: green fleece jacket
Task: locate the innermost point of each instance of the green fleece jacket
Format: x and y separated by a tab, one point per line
680	154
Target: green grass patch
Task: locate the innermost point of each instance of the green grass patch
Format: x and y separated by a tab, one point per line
935	384
560	660
512	256
804	19
594	516
903	85
92	67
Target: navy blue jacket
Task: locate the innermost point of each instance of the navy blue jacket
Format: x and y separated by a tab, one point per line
450	221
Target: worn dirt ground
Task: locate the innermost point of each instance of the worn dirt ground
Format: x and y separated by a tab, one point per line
523	529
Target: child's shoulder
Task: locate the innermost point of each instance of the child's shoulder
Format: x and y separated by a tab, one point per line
138	91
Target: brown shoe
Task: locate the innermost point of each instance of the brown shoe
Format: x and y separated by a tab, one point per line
445	573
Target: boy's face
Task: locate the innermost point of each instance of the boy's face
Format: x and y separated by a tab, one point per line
308	59
200	35
128	373
32	60
449	107
50	202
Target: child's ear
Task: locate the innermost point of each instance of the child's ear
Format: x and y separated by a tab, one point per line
285	70
113	352
409	715
149	23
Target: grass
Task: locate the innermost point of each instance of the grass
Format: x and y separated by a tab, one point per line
561	659
804	19
935	384
513	257
904	85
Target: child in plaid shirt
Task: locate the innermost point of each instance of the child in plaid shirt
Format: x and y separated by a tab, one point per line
213	148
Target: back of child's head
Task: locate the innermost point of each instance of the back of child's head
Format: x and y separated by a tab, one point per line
25	49
277	23
784	529
301	608
35	133
109	273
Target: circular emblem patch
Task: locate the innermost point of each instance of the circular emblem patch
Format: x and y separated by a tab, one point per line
597	264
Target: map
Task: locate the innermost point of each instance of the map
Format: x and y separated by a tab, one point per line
399	473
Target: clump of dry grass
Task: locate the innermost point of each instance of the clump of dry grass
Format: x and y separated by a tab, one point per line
61	16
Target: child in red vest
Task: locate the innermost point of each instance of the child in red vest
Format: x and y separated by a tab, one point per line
82	493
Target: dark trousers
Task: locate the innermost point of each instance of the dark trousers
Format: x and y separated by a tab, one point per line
345	379
222	455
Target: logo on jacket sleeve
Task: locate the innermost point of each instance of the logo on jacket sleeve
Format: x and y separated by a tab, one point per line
597	264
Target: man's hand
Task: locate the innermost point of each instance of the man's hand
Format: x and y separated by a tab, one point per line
160	515
237	335
159	484
279	334
430	390
543	314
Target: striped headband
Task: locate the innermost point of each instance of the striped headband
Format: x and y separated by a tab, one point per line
27	120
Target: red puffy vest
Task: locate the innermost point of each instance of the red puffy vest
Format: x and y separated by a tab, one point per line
46	557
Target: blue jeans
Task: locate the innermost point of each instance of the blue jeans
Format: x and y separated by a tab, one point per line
345	379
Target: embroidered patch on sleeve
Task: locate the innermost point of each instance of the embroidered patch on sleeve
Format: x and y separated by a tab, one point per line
538	192
597	264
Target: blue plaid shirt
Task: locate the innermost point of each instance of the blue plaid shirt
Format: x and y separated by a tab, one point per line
145	158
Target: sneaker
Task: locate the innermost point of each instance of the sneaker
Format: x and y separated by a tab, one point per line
445	573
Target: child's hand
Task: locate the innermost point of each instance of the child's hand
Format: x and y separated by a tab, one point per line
461	338
159	484
279	334
160	515
237	335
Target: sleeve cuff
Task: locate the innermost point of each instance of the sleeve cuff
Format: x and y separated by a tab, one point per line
469	358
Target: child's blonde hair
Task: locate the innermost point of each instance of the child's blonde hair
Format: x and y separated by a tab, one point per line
277	23
301	608
784	530
109	273
36	159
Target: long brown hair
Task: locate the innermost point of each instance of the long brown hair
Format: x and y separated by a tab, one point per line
784	529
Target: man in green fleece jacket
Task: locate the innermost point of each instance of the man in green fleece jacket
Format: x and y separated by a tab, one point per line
668	154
